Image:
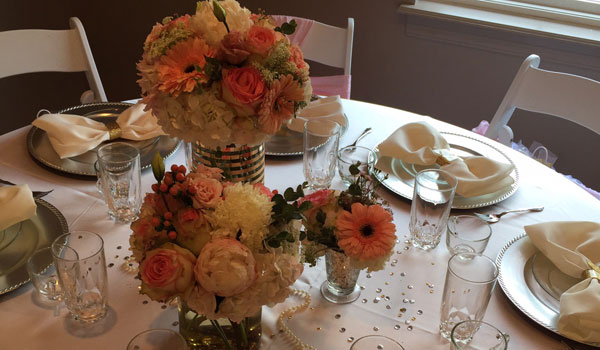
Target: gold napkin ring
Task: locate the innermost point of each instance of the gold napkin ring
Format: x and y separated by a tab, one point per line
593	272
114	130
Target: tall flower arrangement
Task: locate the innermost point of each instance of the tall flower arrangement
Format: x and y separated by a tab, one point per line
225	249
223	75
354	222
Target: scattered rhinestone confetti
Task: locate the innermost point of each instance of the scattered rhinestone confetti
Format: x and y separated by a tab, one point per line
431	291
406	248
397	327
376	328
337	316
413	318
410	328
350	339
403	309
119	247
402	274
145	302
430	285
391	273
405	300
407	321
376	300
378	290
362	287
379	347
387	283
342	330
388	307
410	286
412	301
387	298
368	275
318	328
364	301
419	312
163	307
175	324
111	265
400	315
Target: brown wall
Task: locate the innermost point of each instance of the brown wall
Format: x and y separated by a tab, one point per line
452	71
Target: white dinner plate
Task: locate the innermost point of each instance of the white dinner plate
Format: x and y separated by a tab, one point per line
400	176
536	296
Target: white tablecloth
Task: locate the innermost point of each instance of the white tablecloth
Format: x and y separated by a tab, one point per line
414	285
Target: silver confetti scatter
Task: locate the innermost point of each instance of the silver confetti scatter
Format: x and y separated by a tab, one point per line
402	274
376	300
412	301
368	275
405	300
337	316
364	301
379	347
388	307
362	287
407	321
387	298
342	330
410	286
350	339
406	248
410	328
378	290
419	312
397	327
376	328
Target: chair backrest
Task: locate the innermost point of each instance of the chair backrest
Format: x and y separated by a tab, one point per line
40	50
568	96
325	44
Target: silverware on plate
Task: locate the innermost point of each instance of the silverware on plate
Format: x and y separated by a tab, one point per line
36	194
492	218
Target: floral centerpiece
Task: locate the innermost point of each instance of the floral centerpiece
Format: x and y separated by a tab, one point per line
223	75
353	229
223	249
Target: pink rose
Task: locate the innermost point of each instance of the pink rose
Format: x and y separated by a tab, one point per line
319	198
233	48
204	171
244	89
144	236
167	271
297	57
206	192
264	190
225	267
193	230
260	39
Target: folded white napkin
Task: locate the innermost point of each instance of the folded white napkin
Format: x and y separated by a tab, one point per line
570	245
328	107
420	143
16	205
72	135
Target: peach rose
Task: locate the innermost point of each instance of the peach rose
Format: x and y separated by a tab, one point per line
143	236
208	172
225	267
244	89
233	48
297	57
260	39
193	230
167	271
264	190
206	192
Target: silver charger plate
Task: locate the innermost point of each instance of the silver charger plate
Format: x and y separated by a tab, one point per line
38	143
288	142
36	232
401	177
532	286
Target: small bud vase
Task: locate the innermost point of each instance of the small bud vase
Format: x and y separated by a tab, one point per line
201	333
239	163
340	287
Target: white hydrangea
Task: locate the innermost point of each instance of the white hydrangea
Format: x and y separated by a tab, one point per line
205	24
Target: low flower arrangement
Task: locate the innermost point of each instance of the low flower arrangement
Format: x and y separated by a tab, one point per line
223	75
225	249
354	222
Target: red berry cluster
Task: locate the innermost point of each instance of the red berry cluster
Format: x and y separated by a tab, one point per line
171	184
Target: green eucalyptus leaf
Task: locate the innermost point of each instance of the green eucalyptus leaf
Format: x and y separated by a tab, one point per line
158	167
354	169
290	195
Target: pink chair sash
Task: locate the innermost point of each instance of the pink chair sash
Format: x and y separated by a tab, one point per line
332	85
327	85
302	28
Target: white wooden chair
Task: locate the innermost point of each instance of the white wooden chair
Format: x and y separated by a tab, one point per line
327	45
40	50
568	96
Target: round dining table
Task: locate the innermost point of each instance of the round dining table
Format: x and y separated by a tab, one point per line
401	302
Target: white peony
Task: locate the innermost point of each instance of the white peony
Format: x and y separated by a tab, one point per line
206	25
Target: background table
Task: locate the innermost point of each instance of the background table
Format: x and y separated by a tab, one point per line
413	285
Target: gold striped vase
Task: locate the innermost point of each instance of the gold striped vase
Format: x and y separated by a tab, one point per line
239	163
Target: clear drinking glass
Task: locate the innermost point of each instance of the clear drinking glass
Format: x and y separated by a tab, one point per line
119	165
81	266
43	275
432	200
375	342
321	141
471	335
470	280
351	155
157	339
468	234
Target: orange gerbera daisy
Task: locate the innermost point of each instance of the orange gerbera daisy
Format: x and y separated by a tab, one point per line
177	71
278	103
366	233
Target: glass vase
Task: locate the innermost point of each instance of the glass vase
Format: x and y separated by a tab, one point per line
239	163
201	333
340	287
